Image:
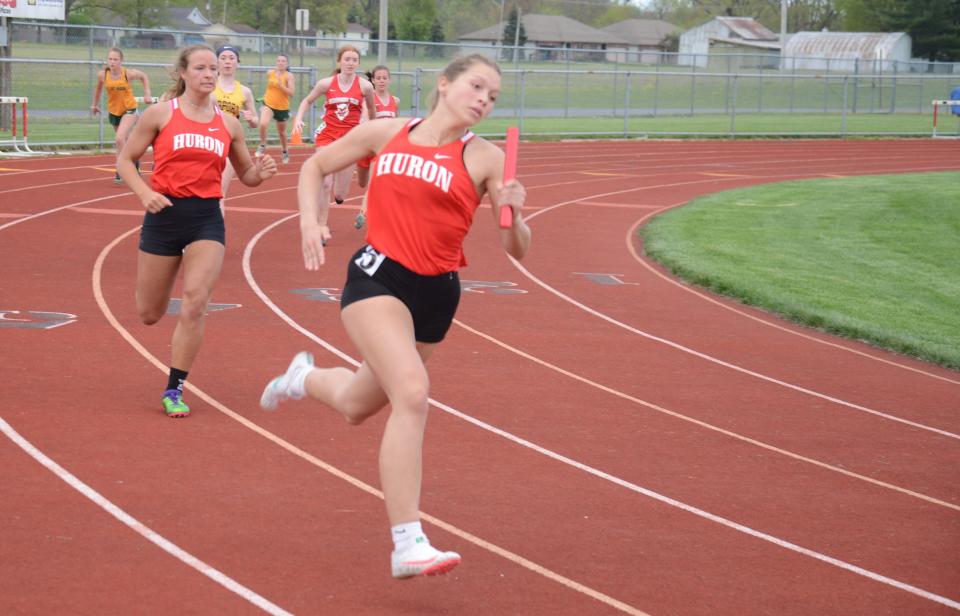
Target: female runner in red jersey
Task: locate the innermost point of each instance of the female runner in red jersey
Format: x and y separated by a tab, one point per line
387	106
191	140
345	94
402	288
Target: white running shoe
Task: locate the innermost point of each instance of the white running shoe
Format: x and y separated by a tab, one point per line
422	559
279	389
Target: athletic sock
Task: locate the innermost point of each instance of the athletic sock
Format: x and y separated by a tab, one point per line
298	383
405	535
176	378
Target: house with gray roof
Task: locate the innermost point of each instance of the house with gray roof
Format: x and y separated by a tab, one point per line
742	35
645	38
552	37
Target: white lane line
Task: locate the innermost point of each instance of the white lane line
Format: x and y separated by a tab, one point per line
696	353
703	424
141	529
631	233
581	466
62	207
213	402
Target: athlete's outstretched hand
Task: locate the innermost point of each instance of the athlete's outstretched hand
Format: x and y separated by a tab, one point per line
312	241
266	167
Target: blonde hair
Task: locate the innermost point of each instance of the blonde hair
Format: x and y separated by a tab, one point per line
457	67
183	61
116	49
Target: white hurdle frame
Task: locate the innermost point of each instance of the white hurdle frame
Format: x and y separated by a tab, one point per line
14	141
936	106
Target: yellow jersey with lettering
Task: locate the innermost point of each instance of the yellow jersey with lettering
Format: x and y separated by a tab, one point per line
275	97
231	102
119	93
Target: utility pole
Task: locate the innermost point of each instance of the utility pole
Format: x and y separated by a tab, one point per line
516	34
382	45
783	34
503	26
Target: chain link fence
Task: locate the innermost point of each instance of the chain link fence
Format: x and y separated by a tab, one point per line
552	92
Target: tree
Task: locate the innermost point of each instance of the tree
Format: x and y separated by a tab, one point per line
414	19
510	34
436	36
933	25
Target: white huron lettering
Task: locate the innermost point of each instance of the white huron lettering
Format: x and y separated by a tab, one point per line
198	142
399	163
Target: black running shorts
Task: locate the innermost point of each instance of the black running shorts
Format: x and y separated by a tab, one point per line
431	300
173	228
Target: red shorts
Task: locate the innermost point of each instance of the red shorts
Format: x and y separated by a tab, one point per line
329	135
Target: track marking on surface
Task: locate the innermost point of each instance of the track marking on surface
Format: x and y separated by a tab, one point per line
703	424
696	353
631	233
579	465
60	208
39	186
138	527
213	402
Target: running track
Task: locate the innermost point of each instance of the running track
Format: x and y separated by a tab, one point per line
605	440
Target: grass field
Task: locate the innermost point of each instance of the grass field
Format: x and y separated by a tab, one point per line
869	258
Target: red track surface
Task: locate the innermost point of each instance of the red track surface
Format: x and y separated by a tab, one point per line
596	449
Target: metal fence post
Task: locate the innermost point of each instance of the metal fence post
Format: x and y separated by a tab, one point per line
523	96
415	90
313	108
793	83
856	82
893	90
693	88
733	110
626	107
566	89
656	91
843	115
760	91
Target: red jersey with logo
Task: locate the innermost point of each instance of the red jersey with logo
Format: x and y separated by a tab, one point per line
420	203
341	111
386	109
189	156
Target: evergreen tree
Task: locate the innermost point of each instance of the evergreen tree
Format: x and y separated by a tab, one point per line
436	36
510	34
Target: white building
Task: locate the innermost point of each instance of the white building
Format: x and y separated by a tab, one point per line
355	34
743	35
863	52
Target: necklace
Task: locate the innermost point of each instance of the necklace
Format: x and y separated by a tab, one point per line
194	105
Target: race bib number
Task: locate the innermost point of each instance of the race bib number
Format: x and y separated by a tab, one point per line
369	260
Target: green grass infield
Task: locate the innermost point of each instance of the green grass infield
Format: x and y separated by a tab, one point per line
872	258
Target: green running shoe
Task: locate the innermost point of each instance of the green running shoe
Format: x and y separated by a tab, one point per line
173	404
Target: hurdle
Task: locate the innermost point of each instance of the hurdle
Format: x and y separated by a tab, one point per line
956	111
20	146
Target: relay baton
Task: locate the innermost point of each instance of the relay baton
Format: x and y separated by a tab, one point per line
509	172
